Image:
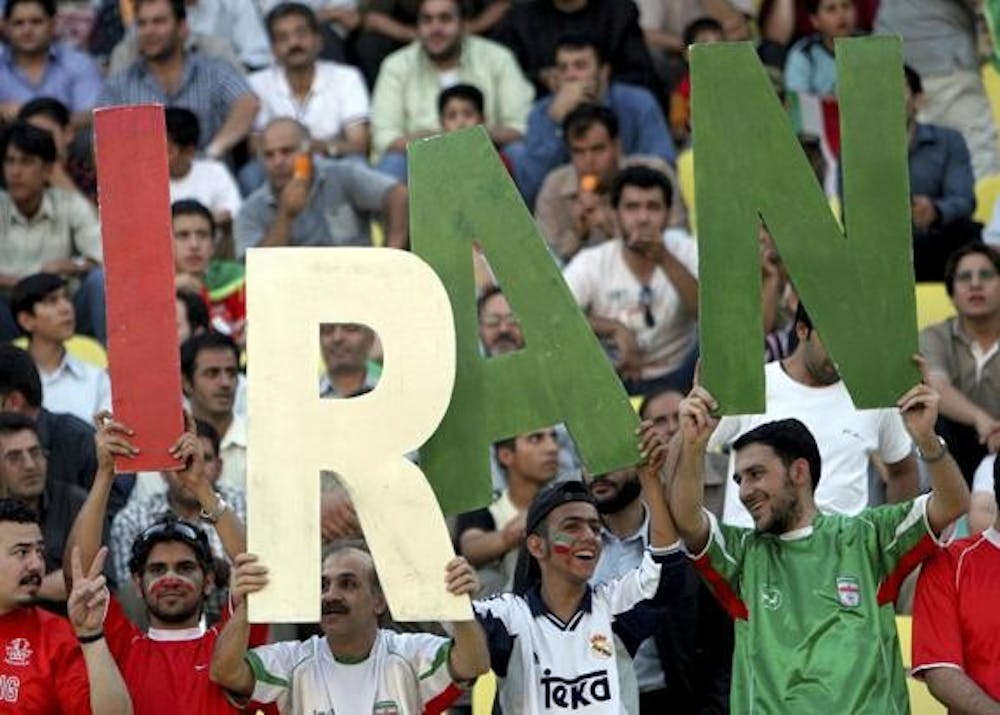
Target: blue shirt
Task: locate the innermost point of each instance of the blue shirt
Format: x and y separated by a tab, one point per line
208	87
641	129
941	170
811	67
70	76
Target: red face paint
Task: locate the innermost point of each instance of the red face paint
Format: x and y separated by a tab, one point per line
561	544
170	583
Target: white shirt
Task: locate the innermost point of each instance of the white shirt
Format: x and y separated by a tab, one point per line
602	284
209	182
338	98
235	20
846	437
76	387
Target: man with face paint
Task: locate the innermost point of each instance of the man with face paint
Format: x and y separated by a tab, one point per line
559	644
354	666
807	387
166	668
812	594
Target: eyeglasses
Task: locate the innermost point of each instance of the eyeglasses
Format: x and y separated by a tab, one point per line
646	303
494	321
17	457
983	274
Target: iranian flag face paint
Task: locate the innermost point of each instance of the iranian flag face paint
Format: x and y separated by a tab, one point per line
561	543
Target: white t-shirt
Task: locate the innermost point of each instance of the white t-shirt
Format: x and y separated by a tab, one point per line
76	387
209	182
602	284
338	98
403	673
846	438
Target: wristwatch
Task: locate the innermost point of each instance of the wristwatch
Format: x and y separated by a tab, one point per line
929	458
213	516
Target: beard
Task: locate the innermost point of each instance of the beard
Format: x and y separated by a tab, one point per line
785	513
627	493
174	617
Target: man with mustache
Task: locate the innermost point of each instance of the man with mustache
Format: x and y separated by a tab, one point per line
49	665
354	666
812	594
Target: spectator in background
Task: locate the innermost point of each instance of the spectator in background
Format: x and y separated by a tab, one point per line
583	76
939	43
326	205
461	106
640	291
704	30
219	283
404	102
43	311
192	315
70	171
33	65
345	349
206	181
942	197
963	353
45	228
490	538
810	67
169	74
338	22
573	208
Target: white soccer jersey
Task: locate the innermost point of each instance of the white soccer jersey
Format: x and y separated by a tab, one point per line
583	666
405	674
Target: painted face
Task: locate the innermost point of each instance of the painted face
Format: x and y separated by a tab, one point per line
349	602
615	491
212	388
766	488
535	456
439	28
22	465
573	543
595	152
499	328
460	114
976	289
22	563
173	584
192	244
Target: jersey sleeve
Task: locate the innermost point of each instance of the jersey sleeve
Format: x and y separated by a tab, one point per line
720	563
937	640
899	529
73	685
272	667
429	656
495	615
119	631
625	592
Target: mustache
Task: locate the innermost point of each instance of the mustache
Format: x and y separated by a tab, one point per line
338	607
32	579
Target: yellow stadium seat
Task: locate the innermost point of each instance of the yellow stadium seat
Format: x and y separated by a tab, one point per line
991	81
987	192
483	694
685	180
921	700
82	347
933	304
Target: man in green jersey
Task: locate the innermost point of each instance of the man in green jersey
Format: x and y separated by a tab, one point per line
811	594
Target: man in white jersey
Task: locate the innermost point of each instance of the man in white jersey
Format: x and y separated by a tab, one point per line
354	667
560	645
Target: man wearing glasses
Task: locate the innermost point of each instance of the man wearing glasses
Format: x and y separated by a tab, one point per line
166	669
640	291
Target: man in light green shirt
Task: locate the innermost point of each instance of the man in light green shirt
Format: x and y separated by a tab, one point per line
404	103
811	595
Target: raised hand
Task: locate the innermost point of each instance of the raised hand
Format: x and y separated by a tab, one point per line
919	406
697	422
460	578
654	450
249	576
87	604
187	450
111	440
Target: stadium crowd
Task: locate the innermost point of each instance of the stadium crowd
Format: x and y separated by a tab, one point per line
755	563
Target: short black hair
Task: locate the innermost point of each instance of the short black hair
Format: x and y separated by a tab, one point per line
195	309
580	40
485	297
206	430
31	290
192	207
183	128
655	394
177	7
19	374
913	80
17	512
466	92
170	529
643	177
12	422
194	345
700	25
290	9
790	440
48	6
581	119
459	7
976	247
357	544
30	140
46	107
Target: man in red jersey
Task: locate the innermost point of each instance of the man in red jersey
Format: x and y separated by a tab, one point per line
166	668
956	621
50	667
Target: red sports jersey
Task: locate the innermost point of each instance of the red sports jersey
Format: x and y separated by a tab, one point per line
42	671
955	615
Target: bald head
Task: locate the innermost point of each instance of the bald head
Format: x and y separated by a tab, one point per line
280	141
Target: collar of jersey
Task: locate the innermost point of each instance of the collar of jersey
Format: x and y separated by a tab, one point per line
797	534
993	536
181	634
539	609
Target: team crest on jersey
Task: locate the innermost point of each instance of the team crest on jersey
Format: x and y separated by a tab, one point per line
386	707
770	598
601	646
18	652
848	592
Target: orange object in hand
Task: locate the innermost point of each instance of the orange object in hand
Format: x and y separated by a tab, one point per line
302	168
589	182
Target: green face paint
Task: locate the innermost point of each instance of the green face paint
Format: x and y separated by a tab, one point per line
561	543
